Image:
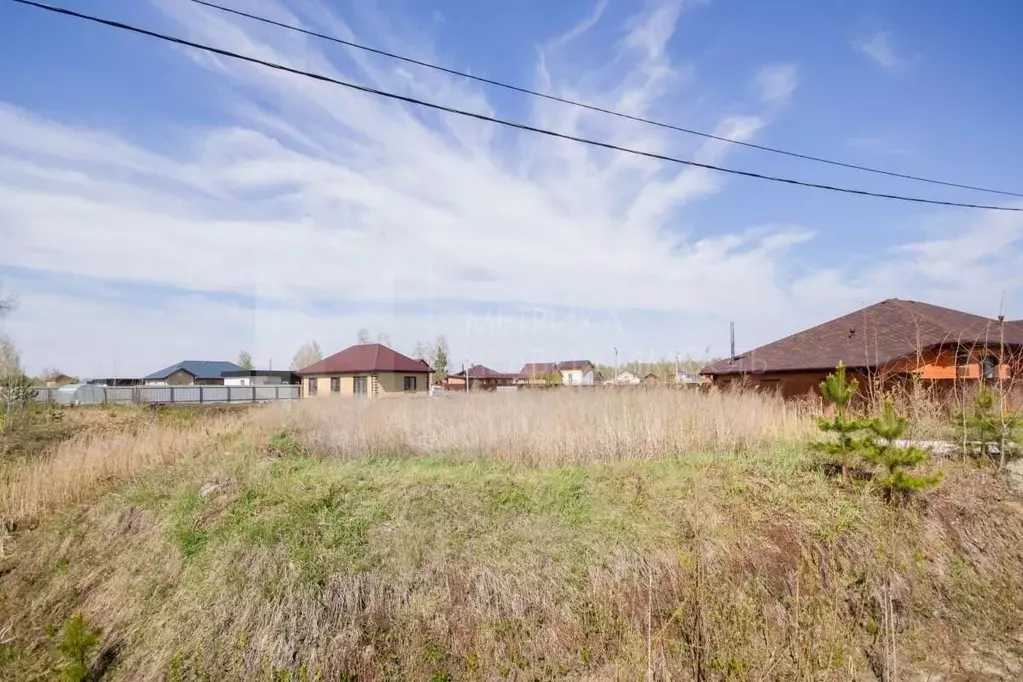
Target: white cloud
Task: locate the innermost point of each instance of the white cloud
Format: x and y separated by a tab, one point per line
309	193
775	83
878	47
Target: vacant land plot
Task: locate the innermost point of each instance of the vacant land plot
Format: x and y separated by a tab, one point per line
549	536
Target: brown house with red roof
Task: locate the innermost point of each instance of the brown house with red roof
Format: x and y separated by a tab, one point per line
480	378
893	339
370	369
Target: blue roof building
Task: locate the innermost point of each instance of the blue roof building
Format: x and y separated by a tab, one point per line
193	372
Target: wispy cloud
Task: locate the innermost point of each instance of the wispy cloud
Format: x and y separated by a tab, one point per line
879	48
775	83
332	210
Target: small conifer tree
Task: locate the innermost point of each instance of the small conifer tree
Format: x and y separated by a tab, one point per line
982	425
895	479
839	390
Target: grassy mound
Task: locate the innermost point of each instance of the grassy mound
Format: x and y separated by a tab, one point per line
248	554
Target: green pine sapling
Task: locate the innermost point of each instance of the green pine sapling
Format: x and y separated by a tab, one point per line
896	481
982	425
839	391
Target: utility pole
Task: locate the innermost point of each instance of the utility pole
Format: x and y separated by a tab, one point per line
616	366
468	371
677	357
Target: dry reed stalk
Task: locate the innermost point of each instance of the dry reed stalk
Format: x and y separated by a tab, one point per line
550	427
77	467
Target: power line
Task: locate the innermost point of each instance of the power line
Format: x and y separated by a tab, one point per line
491	119
591	107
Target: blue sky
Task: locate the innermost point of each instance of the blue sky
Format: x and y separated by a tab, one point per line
157	204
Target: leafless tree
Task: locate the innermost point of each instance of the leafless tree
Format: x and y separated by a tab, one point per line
6	304
308	354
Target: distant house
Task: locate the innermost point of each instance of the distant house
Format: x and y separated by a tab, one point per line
539	374
260	377
688	379
479	377
58	380
579	373
891	340
651	379
192	373
370	369
625	379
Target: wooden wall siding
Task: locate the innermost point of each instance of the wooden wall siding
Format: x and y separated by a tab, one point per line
941	365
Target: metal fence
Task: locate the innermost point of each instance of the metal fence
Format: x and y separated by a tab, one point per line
126	395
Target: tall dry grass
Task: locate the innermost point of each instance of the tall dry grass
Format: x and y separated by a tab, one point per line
542	427
93	460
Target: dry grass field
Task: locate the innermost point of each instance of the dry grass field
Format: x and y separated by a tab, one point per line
544	536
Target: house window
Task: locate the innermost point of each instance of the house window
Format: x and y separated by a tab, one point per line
989	368
410	384
359	385
335	384
312	386
963	363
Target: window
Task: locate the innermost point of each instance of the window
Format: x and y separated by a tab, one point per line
963	363
359	385
335	384
312	386
410	384
989	368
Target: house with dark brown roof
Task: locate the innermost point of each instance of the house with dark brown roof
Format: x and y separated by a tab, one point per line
891	340
539	374
370	370
480	378
579	373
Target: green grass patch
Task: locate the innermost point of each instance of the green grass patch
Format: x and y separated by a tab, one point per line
259	563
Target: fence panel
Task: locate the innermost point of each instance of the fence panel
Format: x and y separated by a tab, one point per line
124	395
211	394
237	394
120	394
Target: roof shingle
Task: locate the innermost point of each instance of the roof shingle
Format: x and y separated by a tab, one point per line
366	357
871	337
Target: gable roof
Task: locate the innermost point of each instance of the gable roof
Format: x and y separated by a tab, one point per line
482	372
871	337
366	357
574	364
538	370
200	369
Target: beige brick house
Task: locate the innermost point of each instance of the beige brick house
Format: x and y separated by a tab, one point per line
370	370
